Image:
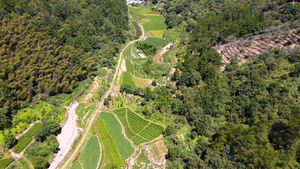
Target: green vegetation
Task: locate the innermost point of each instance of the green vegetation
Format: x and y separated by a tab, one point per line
76	165
138	31
129	66
5	162
128	80
173	55
91	153
25	139
136	122
108	144
40	152
155	23
23	163
80	110
103	72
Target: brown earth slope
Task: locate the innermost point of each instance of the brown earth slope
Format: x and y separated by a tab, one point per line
243	49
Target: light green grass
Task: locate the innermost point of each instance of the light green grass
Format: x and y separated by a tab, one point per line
80	110
128	79
142	83
129	66
155	23
91	153
76	165
158	42
103	72
157	33
115	129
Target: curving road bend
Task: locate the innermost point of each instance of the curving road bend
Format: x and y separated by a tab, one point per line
69	160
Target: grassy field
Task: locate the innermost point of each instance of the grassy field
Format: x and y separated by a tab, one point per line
102	72
115	130
157	33
91	153
128	79
138	129
76	165
129	66
155	23
158	42
142	83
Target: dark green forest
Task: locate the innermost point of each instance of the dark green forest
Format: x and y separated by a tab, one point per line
48	47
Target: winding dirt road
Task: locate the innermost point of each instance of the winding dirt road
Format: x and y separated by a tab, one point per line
69	159
67	136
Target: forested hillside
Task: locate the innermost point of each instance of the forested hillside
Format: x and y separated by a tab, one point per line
247	116
47	47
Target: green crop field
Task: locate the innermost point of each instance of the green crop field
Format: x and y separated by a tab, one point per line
155	23
109	146
91	153
115	130
138	129
5	162
129	66
76	165
158	42
25	139
102	72
128	79
80	109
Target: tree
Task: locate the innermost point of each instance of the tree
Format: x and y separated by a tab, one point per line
126	88
9	140
147	111
48	127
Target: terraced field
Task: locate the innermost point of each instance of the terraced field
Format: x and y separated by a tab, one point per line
25	139
110	150
138	129
5	162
